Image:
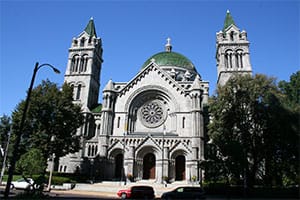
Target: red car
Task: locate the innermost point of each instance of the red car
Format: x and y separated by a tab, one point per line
137	192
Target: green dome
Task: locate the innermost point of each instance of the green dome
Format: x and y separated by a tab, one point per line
171	59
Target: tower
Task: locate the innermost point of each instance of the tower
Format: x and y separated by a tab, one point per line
83	74
84	67
232	53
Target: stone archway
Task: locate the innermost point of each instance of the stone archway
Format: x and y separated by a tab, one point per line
118	166
149	166
180	168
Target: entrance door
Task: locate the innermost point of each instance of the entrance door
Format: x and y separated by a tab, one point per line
118	166
180	168
149	166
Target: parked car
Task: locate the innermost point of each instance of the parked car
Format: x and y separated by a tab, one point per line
184	193
23	184
137	192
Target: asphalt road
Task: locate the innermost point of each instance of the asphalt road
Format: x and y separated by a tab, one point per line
85	195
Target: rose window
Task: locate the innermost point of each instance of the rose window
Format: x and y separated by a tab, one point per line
152	114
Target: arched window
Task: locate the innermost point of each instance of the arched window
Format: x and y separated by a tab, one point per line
89	150
239	58
82	42
118	123
231	35
98	129
228	59
74	63
93	151
84	61
72	86
78	92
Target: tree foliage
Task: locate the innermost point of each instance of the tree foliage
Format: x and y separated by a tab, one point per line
51	114
5	123
31	163
254	136
292	91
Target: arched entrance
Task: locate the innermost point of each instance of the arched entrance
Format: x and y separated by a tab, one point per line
180	168
118	166
149	166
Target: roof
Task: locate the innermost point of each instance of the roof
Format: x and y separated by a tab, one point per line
97	109
170	59
90	28
228	21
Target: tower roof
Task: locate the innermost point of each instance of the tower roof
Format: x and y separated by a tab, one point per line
228	21
90	28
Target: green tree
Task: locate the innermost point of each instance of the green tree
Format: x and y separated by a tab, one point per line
51	114
292	91
31	163
5	123
250	130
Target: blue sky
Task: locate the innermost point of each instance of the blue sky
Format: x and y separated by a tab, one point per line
132	31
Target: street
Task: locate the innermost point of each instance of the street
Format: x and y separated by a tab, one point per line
93	195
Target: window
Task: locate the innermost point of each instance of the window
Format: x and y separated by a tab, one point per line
78	92
183	122
118	123
72	86
82	42
74	63
231	35
89	151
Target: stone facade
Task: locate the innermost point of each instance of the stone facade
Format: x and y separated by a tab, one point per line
152	126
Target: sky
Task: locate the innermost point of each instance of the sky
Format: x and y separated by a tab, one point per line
132	31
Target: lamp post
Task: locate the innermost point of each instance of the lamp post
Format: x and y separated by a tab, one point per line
19	132
52	167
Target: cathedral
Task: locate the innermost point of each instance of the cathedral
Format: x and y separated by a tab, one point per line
152	127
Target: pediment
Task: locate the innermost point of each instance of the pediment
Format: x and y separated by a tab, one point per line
161	77
232	27
149	141
118	144
180	145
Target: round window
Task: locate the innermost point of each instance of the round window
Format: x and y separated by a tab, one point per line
152	114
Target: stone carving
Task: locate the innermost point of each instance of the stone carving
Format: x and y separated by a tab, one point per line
152	114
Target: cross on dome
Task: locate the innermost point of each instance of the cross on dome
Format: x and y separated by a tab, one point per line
168	46
168	41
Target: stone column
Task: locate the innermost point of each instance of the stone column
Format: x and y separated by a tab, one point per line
129	161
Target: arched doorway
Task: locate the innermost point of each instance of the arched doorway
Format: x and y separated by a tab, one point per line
118	166
149	166
180	168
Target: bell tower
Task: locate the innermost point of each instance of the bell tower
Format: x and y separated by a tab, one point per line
232	53
84	67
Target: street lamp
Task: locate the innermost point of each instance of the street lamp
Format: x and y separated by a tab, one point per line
19	132
52	167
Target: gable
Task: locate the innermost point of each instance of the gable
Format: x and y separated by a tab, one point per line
158	76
